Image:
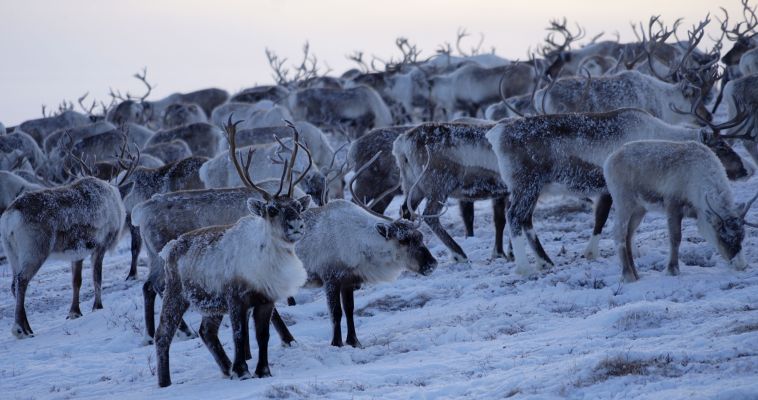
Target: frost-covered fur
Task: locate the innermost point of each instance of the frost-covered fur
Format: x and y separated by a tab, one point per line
462	166
203	139
566	151
344	246
69	222
12	186
229	270
681	179
272	93
359	108
146	182
625	89
55	142
749	62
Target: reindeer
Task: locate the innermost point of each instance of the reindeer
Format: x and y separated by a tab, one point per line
567	150
625	89
203	139
372	249
18	146
69	222
181	114
260	268
473	87
12	186
684	179
40	128
743	35
52	143
169	152
460	164
146	182
359	108
743	91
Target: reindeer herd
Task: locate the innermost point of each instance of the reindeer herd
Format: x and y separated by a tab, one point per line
238	200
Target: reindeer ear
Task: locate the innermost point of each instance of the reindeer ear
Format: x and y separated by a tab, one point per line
384	230
304	201
256	207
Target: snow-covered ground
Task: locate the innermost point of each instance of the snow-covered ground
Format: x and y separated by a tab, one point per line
474	330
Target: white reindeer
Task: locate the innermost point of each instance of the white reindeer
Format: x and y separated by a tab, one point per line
683	179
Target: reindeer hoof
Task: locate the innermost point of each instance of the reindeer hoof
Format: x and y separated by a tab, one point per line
673	270
74	314
180	335
20	333
97	306
148	341
241	376
291	301
131	278
630	277
262	372
461	258
354	343
525	270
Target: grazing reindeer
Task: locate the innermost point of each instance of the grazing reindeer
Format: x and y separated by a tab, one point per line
180	114
684	179
146	182
360	108
69	222
202	138
260	267
567	151
460	164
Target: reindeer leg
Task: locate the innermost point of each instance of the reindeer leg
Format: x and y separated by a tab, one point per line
148	294
97	278
246	334
136	247
602	209
238	317
467	214
434	207
498	214
332	288
281	328
174	307
21	328
628	221
348	305
519	218
674	220
76	282
209	335
262	318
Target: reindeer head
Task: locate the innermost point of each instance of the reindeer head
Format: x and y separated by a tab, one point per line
726	229
283	214
742	34
179	114
281	211
409	242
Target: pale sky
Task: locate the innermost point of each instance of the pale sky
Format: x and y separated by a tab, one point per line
52	50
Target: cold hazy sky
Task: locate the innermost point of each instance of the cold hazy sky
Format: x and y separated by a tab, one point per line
52	50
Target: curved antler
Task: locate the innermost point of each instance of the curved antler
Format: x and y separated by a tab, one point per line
231	136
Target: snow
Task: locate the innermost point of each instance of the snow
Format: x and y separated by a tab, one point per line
469	330
473	330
